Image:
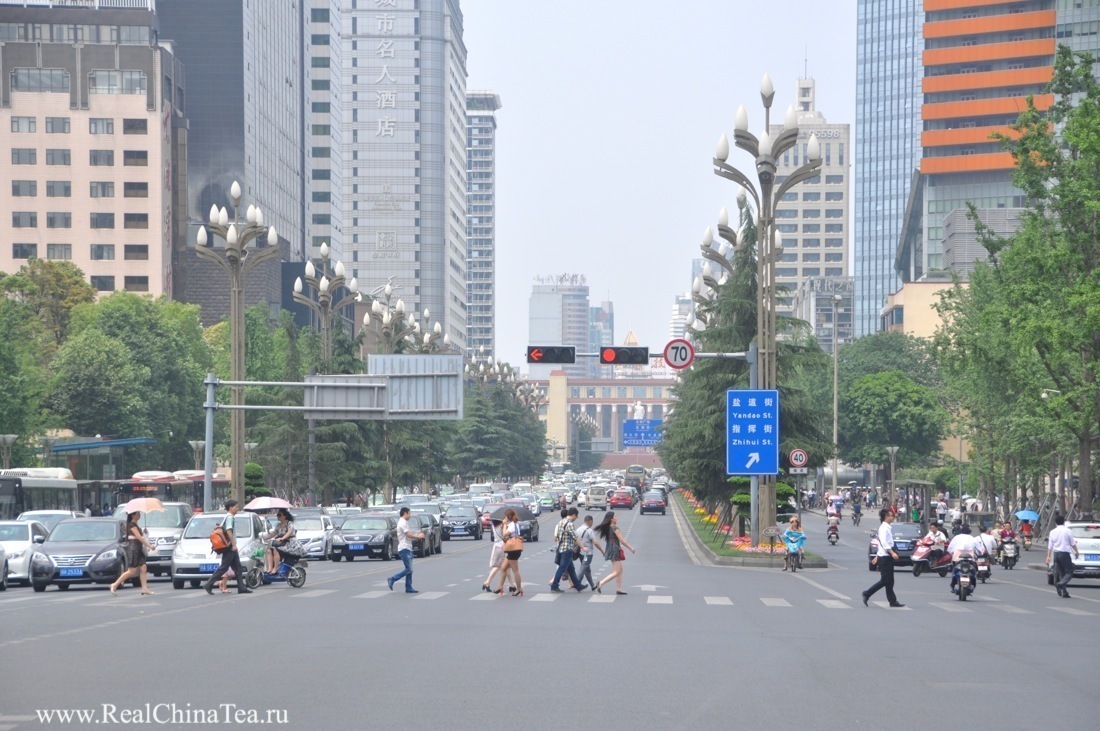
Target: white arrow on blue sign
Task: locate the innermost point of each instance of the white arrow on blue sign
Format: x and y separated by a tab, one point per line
752	432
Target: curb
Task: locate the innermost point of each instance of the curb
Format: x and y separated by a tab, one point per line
715	560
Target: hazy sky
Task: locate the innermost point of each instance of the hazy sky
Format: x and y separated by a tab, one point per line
611	111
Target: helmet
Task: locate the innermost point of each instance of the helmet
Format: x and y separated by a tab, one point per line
965	528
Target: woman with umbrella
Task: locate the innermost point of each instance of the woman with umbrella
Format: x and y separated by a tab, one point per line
283	540
136	543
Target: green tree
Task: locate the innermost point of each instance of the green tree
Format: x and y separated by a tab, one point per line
21	376
51	290
95	386
254	484
885	409
889	351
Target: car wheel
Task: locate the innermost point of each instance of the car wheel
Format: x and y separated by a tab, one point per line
39	587
195	583
177	583
4	578
386	555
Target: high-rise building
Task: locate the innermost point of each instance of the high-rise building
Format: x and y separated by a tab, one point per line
92	112
812	220
601	332
558	315
826	304
481	236
245	92
887	146
682	306
405	154
325	128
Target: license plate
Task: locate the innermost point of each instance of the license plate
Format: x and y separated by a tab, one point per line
458	530
1092	556
355	547
208	568
72	572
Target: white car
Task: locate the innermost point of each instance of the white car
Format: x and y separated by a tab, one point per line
315	533
1087	563
49	518
194	561
17	540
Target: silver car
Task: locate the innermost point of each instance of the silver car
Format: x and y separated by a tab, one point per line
49	518
18	539
194	561
315	533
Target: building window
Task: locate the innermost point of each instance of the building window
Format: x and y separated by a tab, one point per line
24	251
620	392
322	152
318	15
639	392
136	284
320	85
322	197
135	190
834	271
24	219
811	243
102	190
811	196
834	258
103	252
590	392
811	271
834	180
135	220
59	252
834	243
51	80
59	220
101	158
136	252
811	213
135	158
59	189
834	195
834	228
322	174
24	188
574	392
58	157
319	39
834	213
319	62
605	392
811	228
23	124
24	156
814	257
57	125
324	130
101	126
135	127
658	392
117	82
103	220
103	284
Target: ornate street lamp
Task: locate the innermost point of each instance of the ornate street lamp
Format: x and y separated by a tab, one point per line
6	443
399	331
325	285
197	449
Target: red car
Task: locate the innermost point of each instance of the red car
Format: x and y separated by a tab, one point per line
486	510
620	499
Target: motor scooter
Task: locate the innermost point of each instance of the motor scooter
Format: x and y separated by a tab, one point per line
964	578
833	535
922	559
1010	553
794	540
292	570
856	515
1027	541
984	568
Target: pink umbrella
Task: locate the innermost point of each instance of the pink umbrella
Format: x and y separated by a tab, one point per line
267	503
143	505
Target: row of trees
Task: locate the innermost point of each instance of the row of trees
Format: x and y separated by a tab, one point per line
128	366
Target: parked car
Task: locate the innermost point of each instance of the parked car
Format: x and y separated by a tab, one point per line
18	538
906	536
163	528
49	518
621	499
1087	563
79	551
370	536
194	561
462	522
652	502
314	532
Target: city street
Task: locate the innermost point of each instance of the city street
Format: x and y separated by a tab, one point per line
690	644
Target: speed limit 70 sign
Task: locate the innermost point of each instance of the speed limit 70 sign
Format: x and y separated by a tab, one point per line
679	354
798	458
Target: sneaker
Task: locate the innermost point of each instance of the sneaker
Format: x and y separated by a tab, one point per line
865	598
411	591
389	582
556	590
896	605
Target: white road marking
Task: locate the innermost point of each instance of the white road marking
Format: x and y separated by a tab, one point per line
833	604
601	599
431	594
950	606
544	597
311	593
372	595
822	587
886	605
658	600
718	601
16	599
1074	612
1013	610
773	602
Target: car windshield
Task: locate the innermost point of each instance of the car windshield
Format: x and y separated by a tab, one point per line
308	524
173	516
366	524
655	496
202	527
906	530
85	530
461	513
424	507
47	519
15	532
1085	531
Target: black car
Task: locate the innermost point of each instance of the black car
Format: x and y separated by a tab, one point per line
652	502
369	536
79	551
461	522
529	530
906	536
432	528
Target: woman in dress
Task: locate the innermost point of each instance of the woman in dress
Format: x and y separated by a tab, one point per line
608	530
133	549
509	529
283	540
496	557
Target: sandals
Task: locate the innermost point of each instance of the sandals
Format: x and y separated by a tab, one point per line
114	589
148	593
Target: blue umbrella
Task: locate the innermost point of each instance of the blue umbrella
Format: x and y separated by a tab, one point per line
1027	515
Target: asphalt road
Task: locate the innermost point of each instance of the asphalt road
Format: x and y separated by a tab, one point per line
690	644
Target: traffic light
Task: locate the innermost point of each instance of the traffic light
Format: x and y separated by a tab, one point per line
624	356
551	354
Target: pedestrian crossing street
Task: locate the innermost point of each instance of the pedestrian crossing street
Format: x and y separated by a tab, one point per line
540	594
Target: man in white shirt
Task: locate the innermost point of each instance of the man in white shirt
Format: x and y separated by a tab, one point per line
939	543
1060	543
884	560
989	542
404	551
963	545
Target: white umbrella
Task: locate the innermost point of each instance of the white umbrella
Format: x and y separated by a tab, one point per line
267	503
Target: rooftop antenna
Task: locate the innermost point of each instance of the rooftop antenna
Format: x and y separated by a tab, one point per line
806	63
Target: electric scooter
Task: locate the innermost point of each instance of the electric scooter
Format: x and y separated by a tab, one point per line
922	559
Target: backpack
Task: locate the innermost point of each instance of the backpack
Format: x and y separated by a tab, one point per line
219	540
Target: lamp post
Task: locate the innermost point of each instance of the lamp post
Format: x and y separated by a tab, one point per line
765	150
836	350
47	449
6	443
397	330
324	285
236	259
197	449
893	452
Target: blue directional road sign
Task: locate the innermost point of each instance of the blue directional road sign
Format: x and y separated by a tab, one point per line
641	432
752	432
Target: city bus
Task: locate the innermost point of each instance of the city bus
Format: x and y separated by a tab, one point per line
37	488
185	486
636	476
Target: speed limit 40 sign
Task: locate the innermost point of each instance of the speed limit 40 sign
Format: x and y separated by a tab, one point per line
798	458
679	354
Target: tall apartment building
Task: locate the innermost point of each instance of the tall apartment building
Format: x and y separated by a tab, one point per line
682	306
601	332
558	314
826	303
325	128
481	185
812	220
405	154
887	145
92	112
245	93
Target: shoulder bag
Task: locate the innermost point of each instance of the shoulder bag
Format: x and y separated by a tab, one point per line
515	543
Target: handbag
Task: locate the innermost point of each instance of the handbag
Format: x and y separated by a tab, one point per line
515	543
576	554
622	555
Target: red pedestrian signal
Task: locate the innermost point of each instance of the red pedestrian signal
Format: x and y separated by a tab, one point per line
551	354
624	356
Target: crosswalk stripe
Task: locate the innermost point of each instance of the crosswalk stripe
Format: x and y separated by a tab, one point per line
833	604
16	599
431	594
658	600
372	595
718	601
483	597
601	599
543	597
1074	612
950	607
773	602
886	605
186	594
1013	610
312	593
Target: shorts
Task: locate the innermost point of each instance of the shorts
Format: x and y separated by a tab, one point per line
496	556
513	555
